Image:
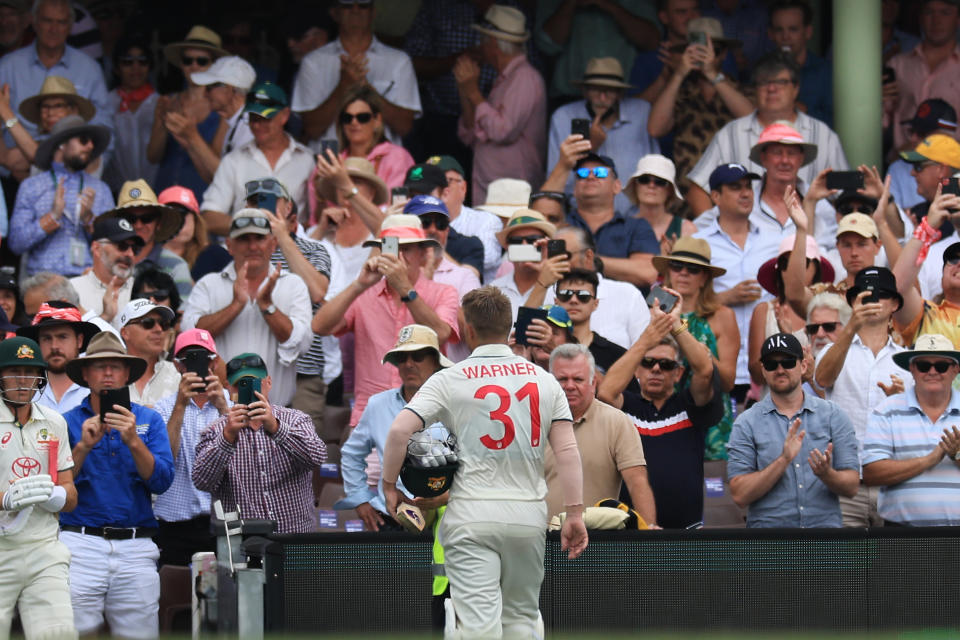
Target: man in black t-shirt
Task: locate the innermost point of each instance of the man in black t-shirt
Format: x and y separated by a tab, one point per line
672	424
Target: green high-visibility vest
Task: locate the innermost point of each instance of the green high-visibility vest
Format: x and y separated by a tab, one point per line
440	580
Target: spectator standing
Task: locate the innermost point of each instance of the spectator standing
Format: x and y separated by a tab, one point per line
790	29
143	326
768	442
54	209
120	461
526	226
259	457
652	189
192	242
15	25
505	129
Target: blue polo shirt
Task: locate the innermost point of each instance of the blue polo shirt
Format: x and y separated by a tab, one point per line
620	236
110	491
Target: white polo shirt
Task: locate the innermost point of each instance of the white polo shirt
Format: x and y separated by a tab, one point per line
622	313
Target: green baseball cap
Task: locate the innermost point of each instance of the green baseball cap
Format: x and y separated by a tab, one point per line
447	163
243	365
266	99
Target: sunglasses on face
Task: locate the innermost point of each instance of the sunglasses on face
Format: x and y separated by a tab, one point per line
786	363
664	363
201	61
524	239
437	220
362	118
251	362
149	323
215	85
128	245
648	179
828	327
677	266
847	209
145	218
243	223
416	356
127	61
583	296
598	172
54	106
923	366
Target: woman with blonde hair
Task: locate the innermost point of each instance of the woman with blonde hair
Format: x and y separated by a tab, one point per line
653	190
687	270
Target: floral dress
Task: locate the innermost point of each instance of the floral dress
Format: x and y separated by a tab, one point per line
718	434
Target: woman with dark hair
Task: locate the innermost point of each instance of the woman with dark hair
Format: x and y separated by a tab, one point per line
688	271
10	300
159	288
134	102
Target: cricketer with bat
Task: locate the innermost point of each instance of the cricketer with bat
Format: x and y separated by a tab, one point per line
36	477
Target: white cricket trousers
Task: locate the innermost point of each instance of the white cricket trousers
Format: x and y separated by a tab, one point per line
495	572
116	580
35	579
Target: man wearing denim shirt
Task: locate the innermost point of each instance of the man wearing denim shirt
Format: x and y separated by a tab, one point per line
766	471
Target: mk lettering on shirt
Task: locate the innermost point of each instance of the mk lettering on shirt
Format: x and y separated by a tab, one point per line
498	370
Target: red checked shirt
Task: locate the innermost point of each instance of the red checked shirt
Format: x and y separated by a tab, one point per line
267	476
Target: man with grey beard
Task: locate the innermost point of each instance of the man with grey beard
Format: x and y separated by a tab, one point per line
107	286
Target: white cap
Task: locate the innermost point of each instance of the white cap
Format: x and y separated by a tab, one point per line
141	307
231	70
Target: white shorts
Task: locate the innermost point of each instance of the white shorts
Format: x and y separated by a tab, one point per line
116	580
35	579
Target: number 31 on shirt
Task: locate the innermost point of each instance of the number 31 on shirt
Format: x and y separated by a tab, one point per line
528	391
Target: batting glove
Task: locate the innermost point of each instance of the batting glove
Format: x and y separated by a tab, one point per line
58	498
28	491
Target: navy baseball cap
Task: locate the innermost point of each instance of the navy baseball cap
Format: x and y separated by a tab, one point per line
784	343
728	174
931	116
420	205
604	161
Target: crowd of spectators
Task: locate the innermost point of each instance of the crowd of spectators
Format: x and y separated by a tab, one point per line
270	256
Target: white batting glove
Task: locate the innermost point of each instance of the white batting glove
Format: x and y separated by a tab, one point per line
58	498
28	491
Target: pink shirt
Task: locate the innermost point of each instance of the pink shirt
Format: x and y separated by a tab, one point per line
376	318
390	162
509	133
917	83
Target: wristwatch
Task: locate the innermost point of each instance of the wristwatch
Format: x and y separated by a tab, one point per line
720	78
410	297
11	123
269	310
352	192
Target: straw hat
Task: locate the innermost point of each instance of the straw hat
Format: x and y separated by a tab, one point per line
506	195
783	133
604	72
56	87
526	219
415	337
70	127
199	37
504	23
357	168
138	194
105	346
929	344
690	250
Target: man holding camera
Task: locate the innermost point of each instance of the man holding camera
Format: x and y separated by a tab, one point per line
260	456
121	455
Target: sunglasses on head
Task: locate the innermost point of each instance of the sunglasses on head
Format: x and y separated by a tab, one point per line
362	118
665	364
127	61
242	223
145	218
149	323
249	362
523	239
201	61
186	355
677	266
648	179
923	366
437	220
786	363
565	295
828	327
416	356
266	185
598	172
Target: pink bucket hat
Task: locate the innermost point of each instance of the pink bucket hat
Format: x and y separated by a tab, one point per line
783	133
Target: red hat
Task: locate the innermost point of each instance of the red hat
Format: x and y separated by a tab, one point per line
766	275
181	196
195	338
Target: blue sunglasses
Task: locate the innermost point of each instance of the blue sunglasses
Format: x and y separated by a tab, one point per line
598	172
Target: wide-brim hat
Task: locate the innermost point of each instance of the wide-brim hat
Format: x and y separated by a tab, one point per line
137	194
526	219
505	196
199	37
66	128
929	344
653	164
50	316
357	168
504	23
690	250
783	133
604	72
415	337
106	345
767	277
406	228
56	87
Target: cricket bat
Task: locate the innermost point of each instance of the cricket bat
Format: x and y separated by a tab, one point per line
411	518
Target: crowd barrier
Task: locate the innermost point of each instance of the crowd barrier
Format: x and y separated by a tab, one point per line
726	579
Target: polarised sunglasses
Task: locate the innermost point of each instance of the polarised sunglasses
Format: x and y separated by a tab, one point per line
242	223
362	118
149	323
828	327
583	296
923	366
598	172
787	363
664	363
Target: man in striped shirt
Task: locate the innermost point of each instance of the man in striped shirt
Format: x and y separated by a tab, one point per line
912	444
